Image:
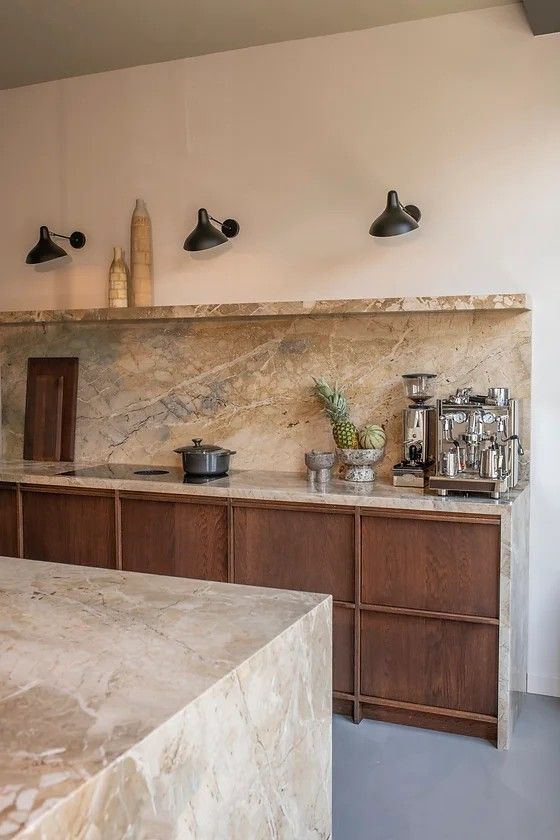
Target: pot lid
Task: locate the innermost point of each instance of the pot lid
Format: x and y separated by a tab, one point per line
200	448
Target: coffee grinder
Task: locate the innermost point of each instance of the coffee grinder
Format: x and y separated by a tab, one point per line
419	432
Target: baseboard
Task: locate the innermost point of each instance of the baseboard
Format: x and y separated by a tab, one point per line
543	685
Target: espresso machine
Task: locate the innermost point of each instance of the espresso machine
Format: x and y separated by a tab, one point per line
419	432
478	446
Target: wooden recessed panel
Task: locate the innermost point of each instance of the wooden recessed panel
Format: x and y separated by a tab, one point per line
432	662
292	549
50	409
8	522
431	564
69	528
174	538
343	649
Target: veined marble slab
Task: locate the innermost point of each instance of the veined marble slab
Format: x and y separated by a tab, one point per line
260	485
151	708
272	309
145	389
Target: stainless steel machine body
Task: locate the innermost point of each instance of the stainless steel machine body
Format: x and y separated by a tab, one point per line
478	446
418	433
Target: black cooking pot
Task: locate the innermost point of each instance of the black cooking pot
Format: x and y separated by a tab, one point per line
204	459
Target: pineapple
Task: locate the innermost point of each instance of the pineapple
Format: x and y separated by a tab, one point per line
335	404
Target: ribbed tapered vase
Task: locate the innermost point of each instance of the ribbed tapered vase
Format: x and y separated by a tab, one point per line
141	256
118	280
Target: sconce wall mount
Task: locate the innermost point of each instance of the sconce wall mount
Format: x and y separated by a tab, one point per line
206	235
395	219
46	250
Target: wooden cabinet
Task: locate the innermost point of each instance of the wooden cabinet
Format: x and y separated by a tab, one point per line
429	607
307	550
174	537
8	521
416	594
343	649
447	565
430	662
69	526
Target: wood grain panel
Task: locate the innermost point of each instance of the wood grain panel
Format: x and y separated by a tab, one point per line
184	539
295	549
343	649
8	521
407	716
75	527
50	409
440	565
429	661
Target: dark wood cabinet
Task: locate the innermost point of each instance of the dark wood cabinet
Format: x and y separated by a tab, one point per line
343	649
174	537
444	565
8	521
430	662
307	550
69	526
416	593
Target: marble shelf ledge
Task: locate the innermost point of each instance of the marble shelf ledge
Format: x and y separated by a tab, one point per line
298	308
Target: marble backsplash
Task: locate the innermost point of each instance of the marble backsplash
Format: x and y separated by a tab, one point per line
147	388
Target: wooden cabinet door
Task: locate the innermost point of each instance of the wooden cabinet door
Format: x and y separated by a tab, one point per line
431	662
343	649
8	521
171	537
444	565
69	526
305	550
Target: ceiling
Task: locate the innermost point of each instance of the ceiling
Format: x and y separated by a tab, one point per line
41	40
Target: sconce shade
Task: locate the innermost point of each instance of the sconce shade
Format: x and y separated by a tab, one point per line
206	235
395	219
46	250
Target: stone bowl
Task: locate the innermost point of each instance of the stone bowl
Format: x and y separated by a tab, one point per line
357	464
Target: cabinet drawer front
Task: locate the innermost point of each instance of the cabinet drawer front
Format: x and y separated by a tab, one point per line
69	528
432	662
431	564
8	521
343	649
174	538
291	549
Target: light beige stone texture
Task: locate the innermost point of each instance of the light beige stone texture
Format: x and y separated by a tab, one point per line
277	309
147	388
152	708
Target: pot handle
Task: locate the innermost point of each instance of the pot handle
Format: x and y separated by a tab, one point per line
232	452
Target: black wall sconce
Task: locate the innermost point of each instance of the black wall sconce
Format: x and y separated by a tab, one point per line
46	250
206	235
395	219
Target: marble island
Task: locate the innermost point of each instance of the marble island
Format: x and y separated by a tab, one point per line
145	707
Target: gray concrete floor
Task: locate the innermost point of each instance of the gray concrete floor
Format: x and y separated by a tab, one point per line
399	783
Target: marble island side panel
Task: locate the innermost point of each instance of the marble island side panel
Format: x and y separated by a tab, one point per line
157	708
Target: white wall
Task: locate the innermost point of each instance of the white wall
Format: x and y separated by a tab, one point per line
300	142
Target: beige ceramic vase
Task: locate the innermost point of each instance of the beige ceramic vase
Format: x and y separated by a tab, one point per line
118	280
141	257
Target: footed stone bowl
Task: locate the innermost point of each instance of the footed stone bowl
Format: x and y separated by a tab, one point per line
357	464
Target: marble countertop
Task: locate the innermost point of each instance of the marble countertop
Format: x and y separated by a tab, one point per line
258	485
93	661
